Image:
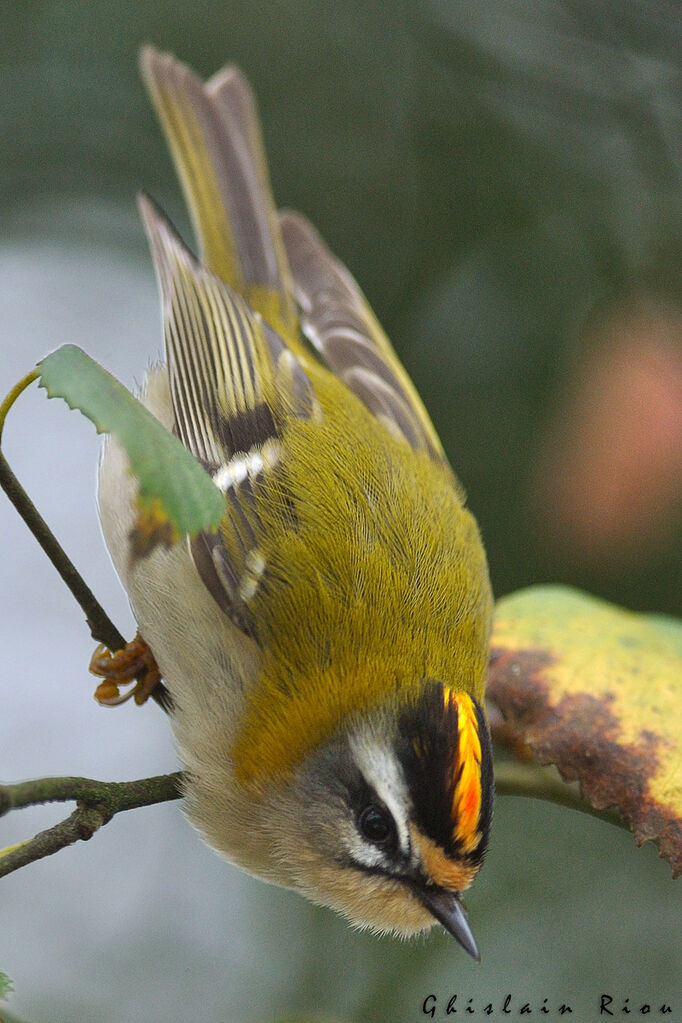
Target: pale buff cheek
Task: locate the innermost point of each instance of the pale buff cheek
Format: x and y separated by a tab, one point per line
366	900
373	902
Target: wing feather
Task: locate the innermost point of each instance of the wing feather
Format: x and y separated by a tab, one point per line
237	365
234	385
339	323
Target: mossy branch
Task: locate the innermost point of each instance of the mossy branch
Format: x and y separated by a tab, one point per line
97	802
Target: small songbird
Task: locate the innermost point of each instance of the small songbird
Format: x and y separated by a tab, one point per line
326	649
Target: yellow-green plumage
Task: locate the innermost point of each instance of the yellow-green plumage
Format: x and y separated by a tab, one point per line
385	569
224	184
374	575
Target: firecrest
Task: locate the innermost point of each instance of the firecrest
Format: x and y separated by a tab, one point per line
326	650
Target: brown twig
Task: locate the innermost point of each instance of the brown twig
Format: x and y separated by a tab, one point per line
97	802
101	627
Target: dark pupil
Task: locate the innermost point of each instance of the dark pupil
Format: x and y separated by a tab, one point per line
375	825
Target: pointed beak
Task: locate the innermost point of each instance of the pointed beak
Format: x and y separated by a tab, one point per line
449	912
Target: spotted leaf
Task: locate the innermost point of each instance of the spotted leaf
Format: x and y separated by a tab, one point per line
596	690
176	495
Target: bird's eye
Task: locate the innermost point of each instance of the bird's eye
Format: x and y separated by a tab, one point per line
376	825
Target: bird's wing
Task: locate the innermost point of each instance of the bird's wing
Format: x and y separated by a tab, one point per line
234	386
339	323
214	134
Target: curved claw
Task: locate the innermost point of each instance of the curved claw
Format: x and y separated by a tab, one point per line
134	665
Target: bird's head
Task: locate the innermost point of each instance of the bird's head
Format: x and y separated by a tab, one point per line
392	816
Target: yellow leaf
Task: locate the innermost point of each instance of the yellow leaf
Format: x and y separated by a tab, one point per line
597	691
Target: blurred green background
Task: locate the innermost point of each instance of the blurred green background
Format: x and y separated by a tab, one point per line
503	179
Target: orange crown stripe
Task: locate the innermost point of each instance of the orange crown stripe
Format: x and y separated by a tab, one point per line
466	803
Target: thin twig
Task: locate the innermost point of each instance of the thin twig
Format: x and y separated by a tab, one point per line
97	802
101	627
533	782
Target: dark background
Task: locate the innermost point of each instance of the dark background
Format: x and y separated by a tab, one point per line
503	179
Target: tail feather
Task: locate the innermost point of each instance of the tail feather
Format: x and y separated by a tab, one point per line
214	135
276	263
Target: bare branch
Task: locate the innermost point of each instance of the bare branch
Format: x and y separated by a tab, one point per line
97	802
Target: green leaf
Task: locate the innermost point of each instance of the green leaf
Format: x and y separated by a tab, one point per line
176	495
596	690
5	985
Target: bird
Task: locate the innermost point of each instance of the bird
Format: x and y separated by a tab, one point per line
326	649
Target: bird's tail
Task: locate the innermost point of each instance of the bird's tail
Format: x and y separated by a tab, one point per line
214	134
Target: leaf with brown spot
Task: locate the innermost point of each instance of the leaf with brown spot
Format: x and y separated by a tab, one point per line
597	691
152	528
176	496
